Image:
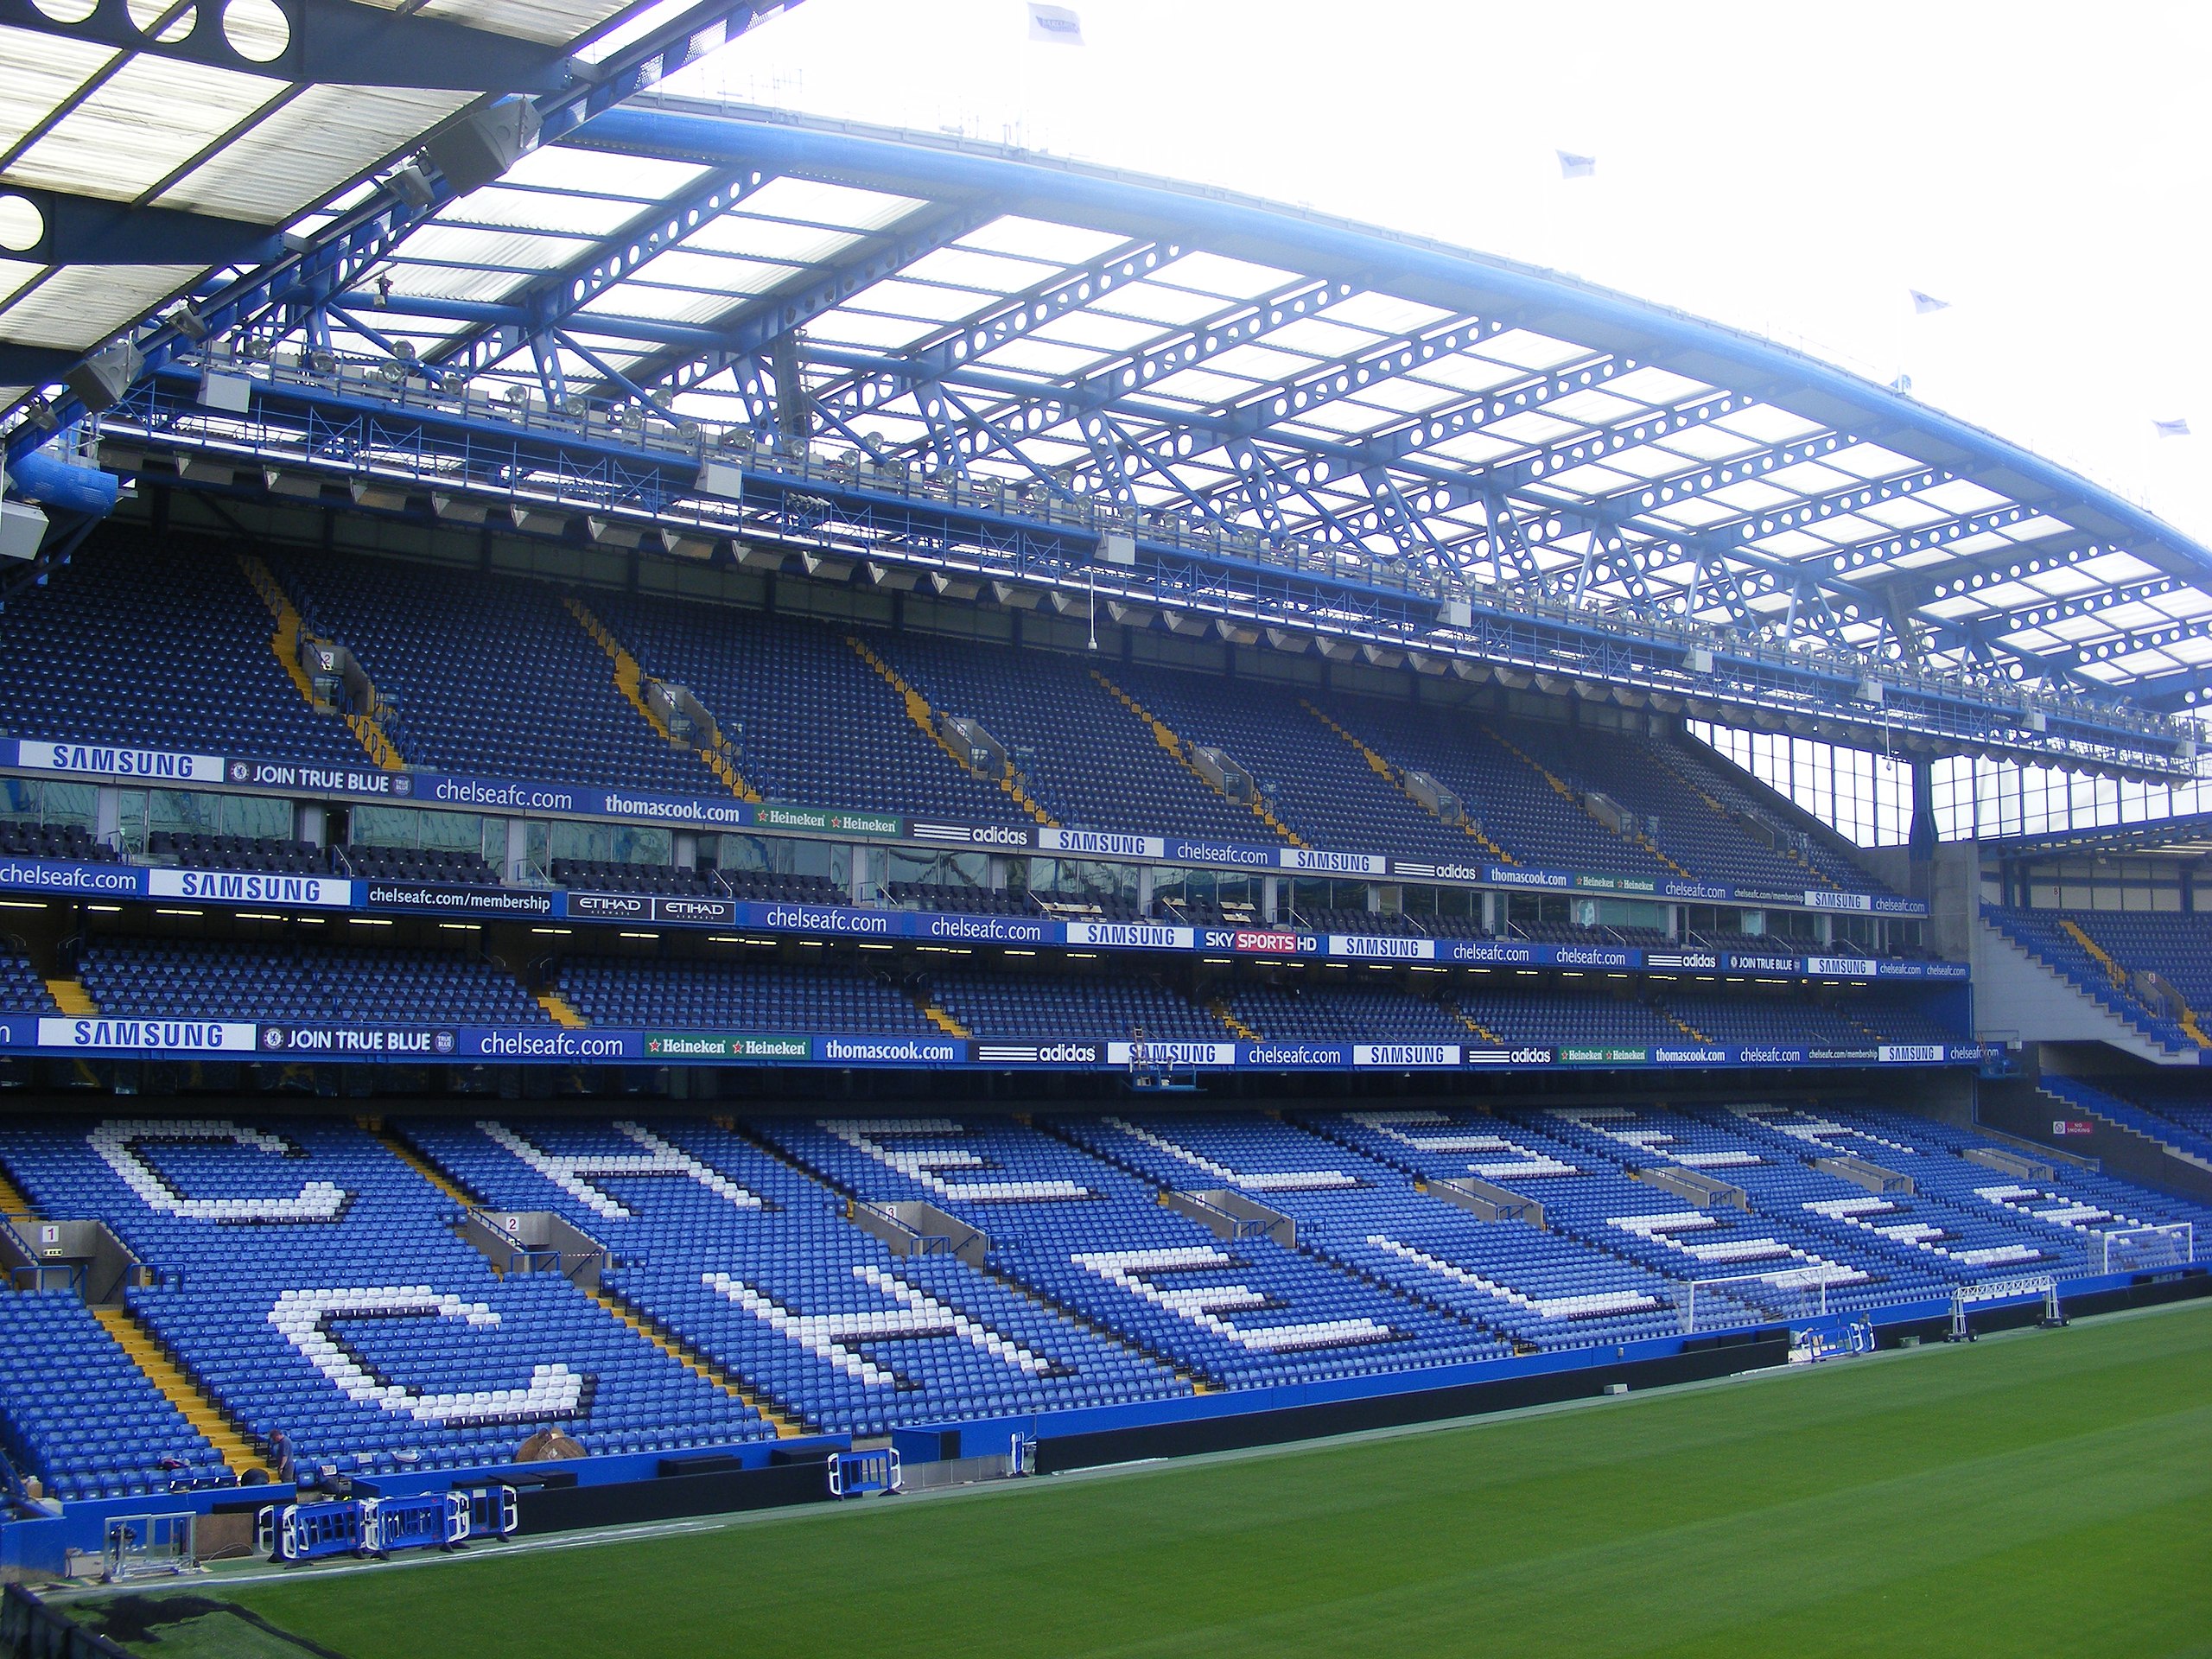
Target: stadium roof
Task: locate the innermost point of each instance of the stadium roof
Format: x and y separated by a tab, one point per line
2188	836
1286	391
146	143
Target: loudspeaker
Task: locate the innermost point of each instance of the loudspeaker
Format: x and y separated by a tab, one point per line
23	528
102	378
474	152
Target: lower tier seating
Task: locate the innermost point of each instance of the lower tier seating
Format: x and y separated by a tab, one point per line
308	1281
109	1432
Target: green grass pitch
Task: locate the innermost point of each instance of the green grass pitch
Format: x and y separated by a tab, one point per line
2040	1492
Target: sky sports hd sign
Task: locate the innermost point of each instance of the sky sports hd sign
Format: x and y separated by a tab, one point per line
124	764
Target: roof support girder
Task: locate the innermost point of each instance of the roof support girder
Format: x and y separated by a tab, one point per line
90	230
330	41
746	329
554	299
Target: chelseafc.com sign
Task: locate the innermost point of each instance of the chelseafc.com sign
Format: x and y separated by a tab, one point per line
373	1042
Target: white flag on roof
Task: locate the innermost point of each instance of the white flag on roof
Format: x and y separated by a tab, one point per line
1572	166
1923	303
2172	428
1056	25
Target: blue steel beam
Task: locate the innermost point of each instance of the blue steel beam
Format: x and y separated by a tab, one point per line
549	302
2184	690
1106	388
1973	572
2043	612
590	90
1254	231
1697	479
328	41
890	377
86	230
744	331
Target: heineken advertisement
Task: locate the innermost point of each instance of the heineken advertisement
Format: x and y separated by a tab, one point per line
110	763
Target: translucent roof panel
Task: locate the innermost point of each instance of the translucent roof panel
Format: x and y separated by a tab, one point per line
207	129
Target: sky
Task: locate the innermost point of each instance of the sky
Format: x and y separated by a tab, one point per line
1797	171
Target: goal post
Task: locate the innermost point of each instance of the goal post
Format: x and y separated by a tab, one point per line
1794	1297
2136	1249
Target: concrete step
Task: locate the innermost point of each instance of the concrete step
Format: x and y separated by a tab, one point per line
146	1352
72	998
652	1331
563	1012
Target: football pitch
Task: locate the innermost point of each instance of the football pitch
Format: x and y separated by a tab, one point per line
2037	1492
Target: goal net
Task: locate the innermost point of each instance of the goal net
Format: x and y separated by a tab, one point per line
2132	1249
1795	1298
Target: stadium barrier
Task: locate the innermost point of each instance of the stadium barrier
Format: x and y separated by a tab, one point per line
325	1528
864	1474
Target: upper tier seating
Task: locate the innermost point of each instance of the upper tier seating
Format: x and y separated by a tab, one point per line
66	840
492	675
2177	947
814	724
1318	784
740	996
318	983
21	991
1518	809
1658	785
1714	776
1085	757
163	648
